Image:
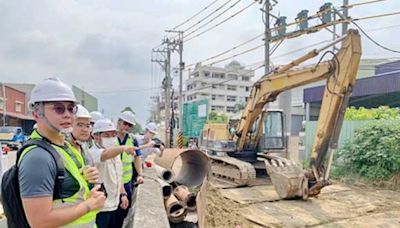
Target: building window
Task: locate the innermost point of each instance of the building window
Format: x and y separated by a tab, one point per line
231	87
18	106
232	76
246	98
245	78
218	75
1	103
196	74
213	97
217	108
206	74
230	109
231	98
247	89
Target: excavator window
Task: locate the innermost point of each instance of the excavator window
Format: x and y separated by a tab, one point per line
274	130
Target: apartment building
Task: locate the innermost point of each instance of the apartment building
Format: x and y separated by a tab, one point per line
224	88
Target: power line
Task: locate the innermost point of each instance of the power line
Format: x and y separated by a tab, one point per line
198	13
232	16
227	51
209	15
366	34
211	20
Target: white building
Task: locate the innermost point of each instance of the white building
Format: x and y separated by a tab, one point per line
223	87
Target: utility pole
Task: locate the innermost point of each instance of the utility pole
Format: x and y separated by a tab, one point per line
166	84
172	122
345	15
167	93
177	45
181	67
267	32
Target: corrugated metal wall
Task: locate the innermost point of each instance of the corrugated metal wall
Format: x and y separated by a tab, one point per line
346	134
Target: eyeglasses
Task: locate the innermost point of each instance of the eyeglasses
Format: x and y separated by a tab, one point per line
127	124
60	108
82	125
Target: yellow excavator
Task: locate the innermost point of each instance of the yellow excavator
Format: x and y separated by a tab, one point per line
251	156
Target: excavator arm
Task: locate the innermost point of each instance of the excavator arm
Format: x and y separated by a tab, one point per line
290	180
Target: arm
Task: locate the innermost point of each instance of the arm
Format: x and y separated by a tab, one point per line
37	187
138	165
41	213
115	151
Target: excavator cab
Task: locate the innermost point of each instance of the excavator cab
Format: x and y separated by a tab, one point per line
274	138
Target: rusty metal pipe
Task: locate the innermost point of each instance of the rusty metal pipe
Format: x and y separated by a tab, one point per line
193	168
166	189
176	211
183	194
165	174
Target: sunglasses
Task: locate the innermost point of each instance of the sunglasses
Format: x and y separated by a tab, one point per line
127	124
60	108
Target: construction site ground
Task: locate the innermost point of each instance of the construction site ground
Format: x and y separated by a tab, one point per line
338	205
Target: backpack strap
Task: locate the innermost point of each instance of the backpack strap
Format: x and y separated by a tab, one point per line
55	155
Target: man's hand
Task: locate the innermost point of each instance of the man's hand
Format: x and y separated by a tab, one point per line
96	198
131	150
140	180
124	202
90	174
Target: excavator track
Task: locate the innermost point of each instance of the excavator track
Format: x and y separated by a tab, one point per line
232	172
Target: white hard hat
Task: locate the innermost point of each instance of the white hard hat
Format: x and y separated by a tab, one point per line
51	89
152	127
96	115
103	125
127	116
82	112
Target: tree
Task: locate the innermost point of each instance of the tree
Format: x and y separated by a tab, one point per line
137	129
128	109
214	117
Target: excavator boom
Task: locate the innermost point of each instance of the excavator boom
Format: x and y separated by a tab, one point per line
289	179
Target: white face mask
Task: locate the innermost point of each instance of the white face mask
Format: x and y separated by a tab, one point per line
108	142
66	131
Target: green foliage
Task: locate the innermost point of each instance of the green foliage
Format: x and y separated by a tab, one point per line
383	112
137	129
373	154
128	109
214	117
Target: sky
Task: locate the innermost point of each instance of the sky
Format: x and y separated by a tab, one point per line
104	46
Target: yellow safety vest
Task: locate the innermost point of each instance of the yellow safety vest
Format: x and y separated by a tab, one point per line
127	160
89	219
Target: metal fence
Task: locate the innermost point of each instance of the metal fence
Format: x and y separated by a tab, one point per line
346	134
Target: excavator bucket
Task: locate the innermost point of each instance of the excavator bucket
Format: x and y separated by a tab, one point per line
288	178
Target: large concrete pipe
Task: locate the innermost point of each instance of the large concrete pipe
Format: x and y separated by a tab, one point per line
165	174
183	194
189	165
176	211
166	189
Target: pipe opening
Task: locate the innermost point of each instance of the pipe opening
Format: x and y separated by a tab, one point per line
167	176
167	191
175	209
191	202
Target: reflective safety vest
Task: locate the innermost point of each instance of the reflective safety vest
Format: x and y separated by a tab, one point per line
89	219
127	160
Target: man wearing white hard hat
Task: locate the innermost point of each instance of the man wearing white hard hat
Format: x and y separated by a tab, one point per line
147	143
79	138
95	116
53	105
107	159
132	169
